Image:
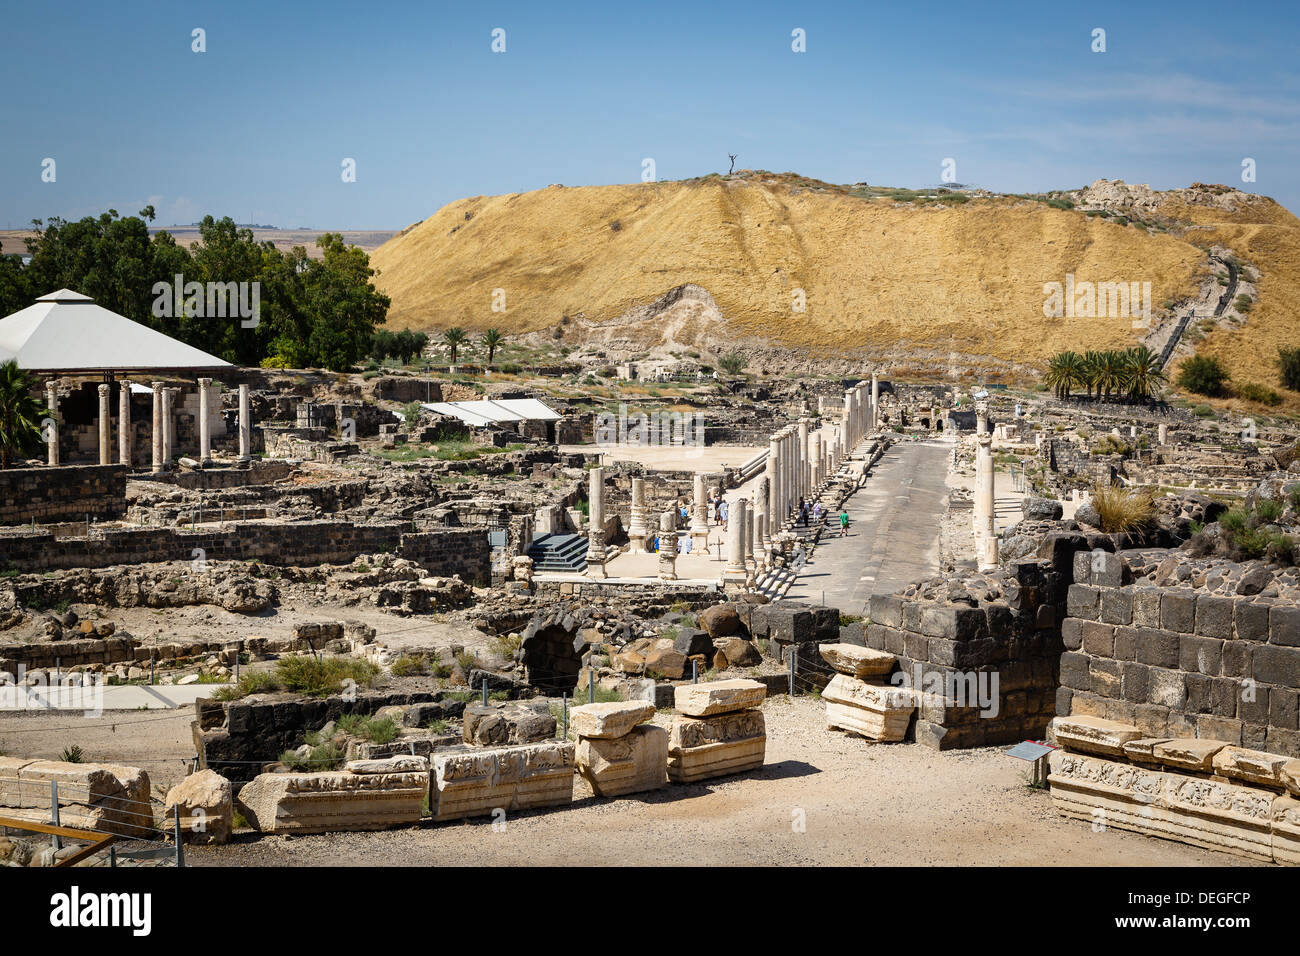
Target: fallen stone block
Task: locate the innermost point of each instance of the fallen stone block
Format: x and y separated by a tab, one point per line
1195	810
718	697
511	722
468	781
1096	735
632	763
206	802
614	719
332	801
1290	774
1188	753
1286	831
857	661
873	711
107	797
396	764
1250	766
704	747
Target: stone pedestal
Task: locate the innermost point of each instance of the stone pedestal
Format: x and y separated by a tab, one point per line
877	712
205	430
1162	434
668	546
718	730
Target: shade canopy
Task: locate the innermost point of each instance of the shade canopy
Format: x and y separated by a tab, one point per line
491	411
66	331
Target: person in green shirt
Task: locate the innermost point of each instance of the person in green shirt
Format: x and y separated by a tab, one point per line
844	523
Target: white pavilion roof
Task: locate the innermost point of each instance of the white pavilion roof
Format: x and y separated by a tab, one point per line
66	331
489	411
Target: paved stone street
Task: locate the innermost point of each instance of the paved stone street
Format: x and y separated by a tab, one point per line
893	536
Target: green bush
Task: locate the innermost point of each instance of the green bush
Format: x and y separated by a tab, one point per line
304	675
1288	361
409	665
1257	393
1203	374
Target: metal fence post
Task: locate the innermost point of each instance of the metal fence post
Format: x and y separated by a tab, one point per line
695	672
591	685
485	690
564	704
176	830
54	814
793	652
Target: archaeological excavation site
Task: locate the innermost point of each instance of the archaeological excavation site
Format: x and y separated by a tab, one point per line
798	437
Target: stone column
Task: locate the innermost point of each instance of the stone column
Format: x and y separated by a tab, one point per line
156	430
52	436
699	514
124	423
1162	433
205	432
875	400
736	541
818	461
596	514
751	536
988	554
762	535
773	485
668	546
802	458
245	427
169	435
105	424
981	418
983	504
636	529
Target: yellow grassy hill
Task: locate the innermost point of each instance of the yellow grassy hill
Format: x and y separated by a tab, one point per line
880	276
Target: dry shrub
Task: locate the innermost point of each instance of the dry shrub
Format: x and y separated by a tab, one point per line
1123	509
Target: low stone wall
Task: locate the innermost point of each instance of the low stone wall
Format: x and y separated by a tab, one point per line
216	479
230	737
1181	663
454	551
65	493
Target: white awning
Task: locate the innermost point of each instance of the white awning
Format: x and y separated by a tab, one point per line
492	411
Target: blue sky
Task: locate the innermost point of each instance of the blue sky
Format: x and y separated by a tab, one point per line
257	126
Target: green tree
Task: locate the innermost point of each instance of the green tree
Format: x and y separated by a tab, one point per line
491	341
454	338
1203	374
733	363
1142	373
20	413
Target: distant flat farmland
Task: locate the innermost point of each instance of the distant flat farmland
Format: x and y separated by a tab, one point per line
11	240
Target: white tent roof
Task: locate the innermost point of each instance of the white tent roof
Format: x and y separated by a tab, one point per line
487	412
66	331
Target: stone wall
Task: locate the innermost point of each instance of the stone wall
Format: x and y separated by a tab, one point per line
968	647
68	492
454	551
1181	663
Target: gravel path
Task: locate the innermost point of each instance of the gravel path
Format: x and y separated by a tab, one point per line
862	803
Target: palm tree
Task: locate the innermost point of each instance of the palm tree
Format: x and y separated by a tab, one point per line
1091	371
492	340
454	337
20	413
1143	374
1064	372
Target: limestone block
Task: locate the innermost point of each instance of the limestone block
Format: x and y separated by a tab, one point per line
1250	766
857	661
1142	749
1195	810
1188	753
870	710
469	781
334	800
398	764
206	802
1290	775
1096	735
509	722
107	797
704	747
718	697
609	720
631	763
1286	831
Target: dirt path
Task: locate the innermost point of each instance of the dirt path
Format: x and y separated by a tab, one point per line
862	803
